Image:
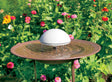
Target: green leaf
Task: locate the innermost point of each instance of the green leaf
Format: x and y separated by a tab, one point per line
99	79
85	79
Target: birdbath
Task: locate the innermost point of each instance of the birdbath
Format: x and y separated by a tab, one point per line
55	47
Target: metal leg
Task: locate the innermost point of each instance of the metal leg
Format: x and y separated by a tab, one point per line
35	71
73	73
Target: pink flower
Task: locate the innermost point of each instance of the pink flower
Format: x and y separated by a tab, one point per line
42	24
74	16
58	5
29	4
43	77
10	65
57	79
0	44
111	8
56	0
59	21
27	21
76	64
34	12
30	0
64	13
13	17
71	36
44	30
27	18
70	80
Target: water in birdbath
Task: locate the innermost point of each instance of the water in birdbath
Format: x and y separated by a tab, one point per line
59	51
64	51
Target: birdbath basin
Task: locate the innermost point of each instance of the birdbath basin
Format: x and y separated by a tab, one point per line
55	47
47	54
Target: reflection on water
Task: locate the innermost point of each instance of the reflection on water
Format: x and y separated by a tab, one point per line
58	52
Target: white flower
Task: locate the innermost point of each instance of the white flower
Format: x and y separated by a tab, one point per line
21	16
10	27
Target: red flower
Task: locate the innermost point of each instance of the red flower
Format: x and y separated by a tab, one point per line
10	65
105	18
94	0
105	9
24	14
68	16
109	4
89	35
13	17
60	5
42	24
33	12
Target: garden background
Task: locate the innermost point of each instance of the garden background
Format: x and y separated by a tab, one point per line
25	20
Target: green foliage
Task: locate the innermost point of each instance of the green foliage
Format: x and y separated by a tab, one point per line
89	20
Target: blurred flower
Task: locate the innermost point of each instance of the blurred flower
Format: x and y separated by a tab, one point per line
94	5
13	17
7	19
78	6
27	18
56	0
24	14
58	5
33	12
64	13
10	65
78	3
57	79
42	24
0	44
68	16
76	64
30	0
59	21
71	36
111	8
105	9
70	80
74	16
10	26
29	4
43	77
44	30
109	4
105	18
21	16
27	21
89	35
1	11
94	0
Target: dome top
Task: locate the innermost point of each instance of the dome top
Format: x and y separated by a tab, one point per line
55	37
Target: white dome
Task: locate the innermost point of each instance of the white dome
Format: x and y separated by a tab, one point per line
55	37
